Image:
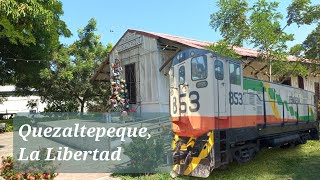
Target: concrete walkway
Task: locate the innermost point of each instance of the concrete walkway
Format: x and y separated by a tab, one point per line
6	148
6	144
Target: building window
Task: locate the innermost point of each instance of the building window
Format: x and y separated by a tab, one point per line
286	81
199	69
218	70
182	75
300	82
235	73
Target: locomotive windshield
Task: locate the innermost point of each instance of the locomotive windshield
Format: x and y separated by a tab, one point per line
189	53
199	68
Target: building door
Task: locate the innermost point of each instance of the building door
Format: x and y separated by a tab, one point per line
130	76
317	90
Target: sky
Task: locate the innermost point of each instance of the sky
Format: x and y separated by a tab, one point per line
186	18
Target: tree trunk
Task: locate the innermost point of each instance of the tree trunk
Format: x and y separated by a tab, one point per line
82	103
82	106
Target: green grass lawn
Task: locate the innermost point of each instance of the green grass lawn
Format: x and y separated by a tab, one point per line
301	162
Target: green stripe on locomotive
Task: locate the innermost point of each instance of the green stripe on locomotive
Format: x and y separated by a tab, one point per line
257	86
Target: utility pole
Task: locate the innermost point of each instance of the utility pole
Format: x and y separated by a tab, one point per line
270	70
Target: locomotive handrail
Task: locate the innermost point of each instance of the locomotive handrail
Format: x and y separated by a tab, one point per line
264	108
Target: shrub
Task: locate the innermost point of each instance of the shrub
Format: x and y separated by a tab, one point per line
145	155
31	170
9	125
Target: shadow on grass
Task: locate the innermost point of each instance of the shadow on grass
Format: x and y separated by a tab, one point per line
301	168
300	162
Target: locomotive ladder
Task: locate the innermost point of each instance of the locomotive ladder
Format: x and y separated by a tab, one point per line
224	147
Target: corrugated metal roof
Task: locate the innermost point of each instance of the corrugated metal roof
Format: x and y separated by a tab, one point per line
244	52
247	52
186	41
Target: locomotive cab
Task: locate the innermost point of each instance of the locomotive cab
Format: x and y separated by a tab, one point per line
200	97
200	91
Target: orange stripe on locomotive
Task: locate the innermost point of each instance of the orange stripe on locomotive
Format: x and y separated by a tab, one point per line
195	126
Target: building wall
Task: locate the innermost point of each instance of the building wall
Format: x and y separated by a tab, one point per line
151	86
15	104
18	104
308	81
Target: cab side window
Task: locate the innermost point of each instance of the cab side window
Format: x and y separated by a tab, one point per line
199	69
218	70
182	75
235	73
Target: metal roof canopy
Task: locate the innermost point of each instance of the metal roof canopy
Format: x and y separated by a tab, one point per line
168	42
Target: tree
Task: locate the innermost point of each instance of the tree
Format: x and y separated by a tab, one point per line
66	83
259	25
311	46
302	12
29	30
222	47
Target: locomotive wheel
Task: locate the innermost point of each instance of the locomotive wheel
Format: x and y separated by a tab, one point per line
241	159
303	139
245	155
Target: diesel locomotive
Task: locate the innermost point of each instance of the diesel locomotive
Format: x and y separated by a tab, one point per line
219	116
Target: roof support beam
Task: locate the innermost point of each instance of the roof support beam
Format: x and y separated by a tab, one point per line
168	60
247	64
264	67
254	71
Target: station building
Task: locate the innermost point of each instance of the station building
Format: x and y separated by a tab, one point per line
146	58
